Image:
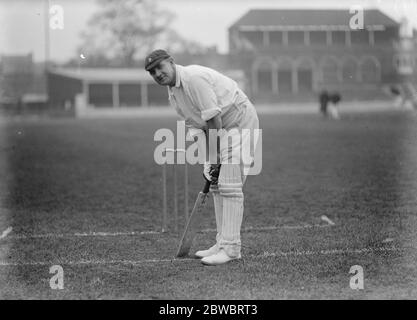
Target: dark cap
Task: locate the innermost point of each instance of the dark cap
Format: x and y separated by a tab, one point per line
154	58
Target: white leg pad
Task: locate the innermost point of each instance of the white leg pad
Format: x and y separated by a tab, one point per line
218	210
230	187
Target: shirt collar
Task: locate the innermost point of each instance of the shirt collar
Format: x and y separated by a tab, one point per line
177	79
177	75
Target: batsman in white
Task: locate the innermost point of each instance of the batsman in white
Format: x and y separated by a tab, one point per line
207	99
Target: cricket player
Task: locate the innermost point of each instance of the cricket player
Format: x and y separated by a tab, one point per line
206	99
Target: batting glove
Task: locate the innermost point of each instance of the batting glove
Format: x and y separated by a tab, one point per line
211	172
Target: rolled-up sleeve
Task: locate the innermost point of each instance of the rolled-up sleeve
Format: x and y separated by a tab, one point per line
205	98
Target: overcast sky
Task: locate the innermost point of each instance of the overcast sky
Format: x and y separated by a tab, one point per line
21	21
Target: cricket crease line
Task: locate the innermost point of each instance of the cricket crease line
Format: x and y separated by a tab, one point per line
279	254
141	233
330	251
79	234
248	229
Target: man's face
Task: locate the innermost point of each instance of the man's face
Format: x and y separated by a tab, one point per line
164	73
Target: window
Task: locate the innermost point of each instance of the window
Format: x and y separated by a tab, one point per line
265	77
284	81
359	37
130	95
275	38
369	71
305	76
386	36
329	70
265	80
349	70
318	37
339	37
101	95
285	76
295	37
254	37
157	95
404	63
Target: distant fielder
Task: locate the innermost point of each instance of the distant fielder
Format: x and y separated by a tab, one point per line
207	99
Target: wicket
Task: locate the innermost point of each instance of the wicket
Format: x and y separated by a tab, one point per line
175	194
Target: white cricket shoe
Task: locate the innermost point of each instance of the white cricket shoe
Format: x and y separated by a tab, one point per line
209	252
219	258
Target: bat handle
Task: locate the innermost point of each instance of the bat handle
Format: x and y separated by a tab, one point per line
206	188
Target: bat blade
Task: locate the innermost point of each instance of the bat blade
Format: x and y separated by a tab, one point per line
192	226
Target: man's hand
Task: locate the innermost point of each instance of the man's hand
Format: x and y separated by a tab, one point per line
214	173
211	172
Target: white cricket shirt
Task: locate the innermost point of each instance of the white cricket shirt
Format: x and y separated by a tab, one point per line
200	93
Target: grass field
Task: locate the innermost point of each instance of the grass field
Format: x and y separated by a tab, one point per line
84	194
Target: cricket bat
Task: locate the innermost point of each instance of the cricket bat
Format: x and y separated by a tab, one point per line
191	228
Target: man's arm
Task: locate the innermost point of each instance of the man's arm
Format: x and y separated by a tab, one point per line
215	124
203	95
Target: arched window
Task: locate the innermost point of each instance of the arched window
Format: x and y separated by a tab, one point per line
349	70
305	74
370	69
330	70
285	67
263	71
